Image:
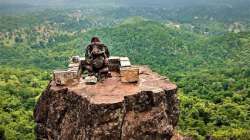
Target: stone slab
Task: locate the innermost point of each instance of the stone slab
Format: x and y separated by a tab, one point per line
125	63
65	77
90	80
129	74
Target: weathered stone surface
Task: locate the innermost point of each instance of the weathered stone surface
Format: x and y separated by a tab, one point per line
69	76
114	63
64	77
129	74
109	110
76	59
90	80
124	62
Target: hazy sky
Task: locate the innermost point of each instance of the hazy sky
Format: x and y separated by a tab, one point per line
122	2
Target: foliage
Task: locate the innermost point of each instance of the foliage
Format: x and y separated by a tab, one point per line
209	64
19	90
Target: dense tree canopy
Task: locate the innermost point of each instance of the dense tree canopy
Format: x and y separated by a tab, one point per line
209	64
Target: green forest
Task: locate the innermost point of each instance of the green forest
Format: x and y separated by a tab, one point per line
206	54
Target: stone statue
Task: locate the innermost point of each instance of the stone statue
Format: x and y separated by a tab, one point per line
96	59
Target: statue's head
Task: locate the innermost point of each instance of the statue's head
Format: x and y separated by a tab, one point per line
95	40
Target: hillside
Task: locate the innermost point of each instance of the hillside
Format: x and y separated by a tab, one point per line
211	71
145	42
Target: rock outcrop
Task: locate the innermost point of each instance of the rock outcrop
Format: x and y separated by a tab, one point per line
109	109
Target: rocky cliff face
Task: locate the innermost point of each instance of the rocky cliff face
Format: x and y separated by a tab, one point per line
109	110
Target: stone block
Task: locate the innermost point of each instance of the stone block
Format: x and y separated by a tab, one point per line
124	58
114	63
65	77
90	80
73	65
129	74
75	59
124	62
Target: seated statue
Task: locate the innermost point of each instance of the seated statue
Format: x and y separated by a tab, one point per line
96	57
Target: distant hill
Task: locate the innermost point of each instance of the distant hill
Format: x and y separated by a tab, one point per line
146	42
212	71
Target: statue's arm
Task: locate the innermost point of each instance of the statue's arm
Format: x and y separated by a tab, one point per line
107	51
87	52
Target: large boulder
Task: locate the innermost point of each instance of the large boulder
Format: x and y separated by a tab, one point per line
110	109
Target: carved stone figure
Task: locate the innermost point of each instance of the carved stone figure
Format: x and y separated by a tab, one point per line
96	59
